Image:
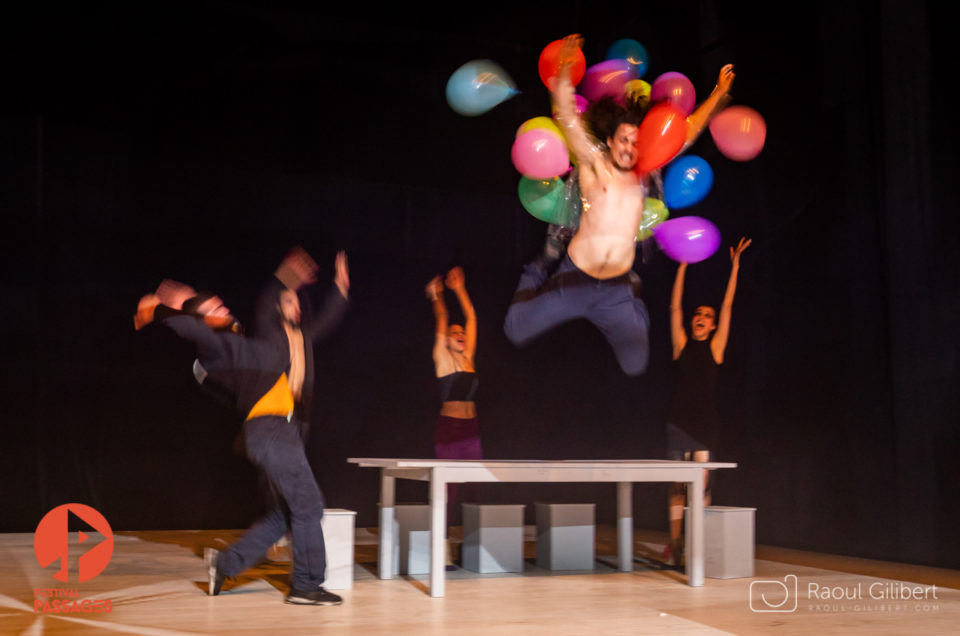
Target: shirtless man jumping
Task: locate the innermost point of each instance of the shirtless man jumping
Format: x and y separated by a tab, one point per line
595	279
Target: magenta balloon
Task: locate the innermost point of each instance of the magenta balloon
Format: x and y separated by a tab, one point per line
582	104
607	79
540	154
675	88
687	239
739	132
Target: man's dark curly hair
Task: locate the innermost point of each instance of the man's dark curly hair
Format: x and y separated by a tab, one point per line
604	116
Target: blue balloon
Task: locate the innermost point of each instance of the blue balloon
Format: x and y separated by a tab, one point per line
687	181
478	86
633	52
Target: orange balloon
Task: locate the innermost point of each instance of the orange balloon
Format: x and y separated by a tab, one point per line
660	136
549	64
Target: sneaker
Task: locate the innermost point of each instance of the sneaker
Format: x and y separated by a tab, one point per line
215	577
553	250
318	596
560	233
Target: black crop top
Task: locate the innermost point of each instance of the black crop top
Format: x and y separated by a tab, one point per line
459	386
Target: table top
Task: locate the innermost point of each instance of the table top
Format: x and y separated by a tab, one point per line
393	462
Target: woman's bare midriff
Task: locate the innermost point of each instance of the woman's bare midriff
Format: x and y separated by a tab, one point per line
458	409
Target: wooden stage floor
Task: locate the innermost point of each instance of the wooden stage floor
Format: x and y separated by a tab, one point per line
155	585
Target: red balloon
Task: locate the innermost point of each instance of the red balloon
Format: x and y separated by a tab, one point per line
660	136
550	64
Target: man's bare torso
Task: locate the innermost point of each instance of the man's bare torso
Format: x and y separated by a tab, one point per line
604	245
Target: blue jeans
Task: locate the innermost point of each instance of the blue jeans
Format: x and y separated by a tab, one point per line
612	305
275	446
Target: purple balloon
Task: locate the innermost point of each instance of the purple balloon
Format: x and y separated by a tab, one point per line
607	79
675	88
687	239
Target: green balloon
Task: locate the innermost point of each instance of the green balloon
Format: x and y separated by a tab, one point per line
542	197
654	212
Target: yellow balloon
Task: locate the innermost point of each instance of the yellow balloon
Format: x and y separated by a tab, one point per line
540	122
635	89
654	213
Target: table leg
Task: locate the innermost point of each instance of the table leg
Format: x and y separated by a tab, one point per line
438	532
694	540
387	537
625	525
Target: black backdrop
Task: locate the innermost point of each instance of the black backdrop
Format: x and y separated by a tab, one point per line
201	140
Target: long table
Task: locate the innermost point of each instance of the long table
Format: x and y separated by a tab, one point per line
440	472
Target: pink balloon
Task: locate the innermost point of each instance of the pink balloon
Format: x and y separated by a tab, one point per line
607	79
675	88
687	239
739	132
540	154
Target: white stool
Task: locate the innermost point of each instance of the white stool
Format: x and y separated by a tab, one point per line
492	537
411	547
338	527
565	536
728	542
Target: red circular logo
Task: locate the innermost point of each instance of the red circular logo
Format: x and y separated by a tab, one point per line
51	541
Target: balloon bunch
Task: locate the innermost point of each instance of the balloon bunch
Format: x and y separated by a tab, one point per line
667	129
541	154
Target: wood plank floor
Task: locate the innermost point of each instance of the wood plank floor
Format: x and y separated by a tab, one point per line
155	585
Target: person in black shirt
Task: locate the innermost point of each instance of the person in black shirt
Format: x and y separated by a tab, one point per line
254	373
284	315
693	427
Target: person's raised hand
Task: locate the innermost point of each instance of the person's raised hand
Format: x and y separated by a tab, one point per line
341	277
455	279
725	79
434	288
297	269
736	251
173	293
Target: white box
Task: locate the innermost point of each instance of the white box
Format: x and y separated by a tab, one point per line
728	542
411	531
565	536
338	530
492	537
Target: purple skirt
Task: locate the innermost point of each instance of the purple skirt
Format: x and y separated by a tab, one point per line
456	438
